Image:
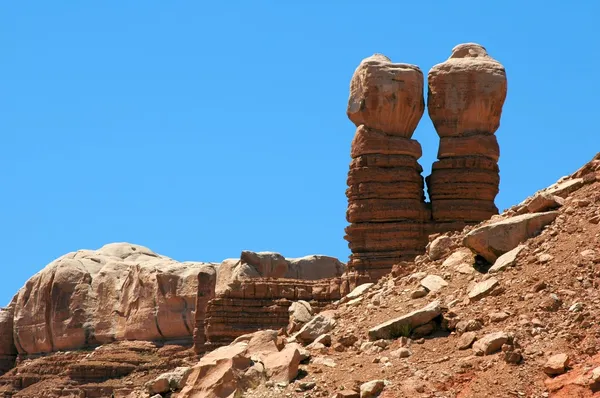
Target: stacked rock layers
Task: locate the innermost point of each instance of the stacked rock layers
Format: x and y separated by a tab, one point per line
255	291
386	206
466	95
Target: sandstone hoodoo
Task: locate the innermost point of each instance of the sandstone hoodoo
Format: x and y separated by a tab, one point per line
506	307
386	208
465	98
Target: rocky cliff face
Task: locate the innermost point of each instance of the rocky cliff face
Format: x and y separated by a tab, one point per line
386	208
8	351
465	99
119	292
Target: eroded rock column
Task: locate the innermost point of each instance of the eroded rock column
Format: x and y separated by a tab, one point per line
386	208
466	95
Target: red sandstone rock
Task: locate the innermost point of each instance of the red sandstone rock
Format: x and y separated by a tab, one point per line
474	145
221	372
119	292
386	96
368	141
8	350
466	92
465	99
386	202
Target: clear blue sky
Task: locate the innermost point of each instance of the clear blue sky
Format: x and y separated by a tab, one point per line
200	129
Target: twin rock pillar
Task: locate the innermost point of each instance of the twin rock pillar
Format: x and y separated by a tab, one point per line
465	99
389	219
386	203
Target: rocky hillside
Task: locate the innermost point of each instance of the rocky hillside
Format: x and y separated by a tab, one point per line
506	308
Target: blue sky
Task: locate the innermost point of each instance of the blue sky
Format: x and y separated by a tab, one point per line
200	129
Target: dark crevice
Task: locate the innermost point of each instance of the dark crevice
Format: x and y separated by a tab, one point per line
48	312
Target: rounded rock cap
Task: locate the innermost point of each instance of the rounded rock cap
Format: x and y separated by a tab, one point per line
386	96
469	50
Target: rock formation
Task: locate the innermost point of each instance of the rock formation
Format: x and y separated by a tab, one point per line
119	292
255	292
8	351
386	208
465	99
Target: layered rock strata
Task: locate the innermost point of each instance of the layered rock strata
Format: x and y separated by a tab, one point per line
466	95
255	292
386	208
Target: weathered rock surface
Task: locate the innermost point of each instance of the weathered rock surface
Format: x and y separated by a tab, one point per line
170	381
300	313
319	325
386	96
492	240
256	291
227	370
544	202
372	389
8	351
482	289
386	208
466	92
461	260
273	265
358	291
465	99
433	283
439	247
490	343
119	292
556	364
262	303
506	260
403	325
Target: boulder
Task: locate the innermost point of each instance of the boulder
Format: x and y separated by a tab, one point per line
556	364
433	283
490	343
282	366
300	313
564	188
119	292
543	202
483	289
170	381
314	267
372	388
439	247
244	363
466	340
358	291
461	261
506	260
218	374
259	344
492	240
403	325
320	324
